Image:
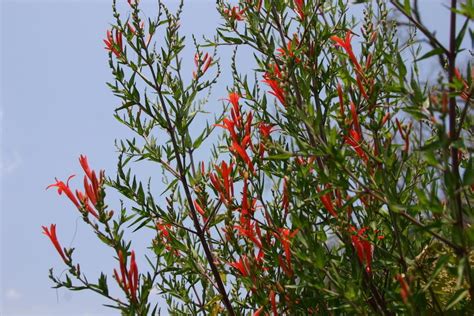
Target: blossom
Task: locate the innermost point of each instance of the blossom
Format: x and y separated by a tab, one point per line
354	139
273	302
243	265
299	4
246	209
129	278
51	233
405	289
226	186
114	44
284	235
363	247
252	232
347	46
200	210
465	93
235	13
64	187
327	202
92	189
289	50
259	311
237	148
202	64
85	201
273	83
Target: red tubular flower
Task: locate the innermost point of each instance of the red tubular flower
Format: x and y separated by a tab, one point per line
347	46
85	201
289	50
251	232
363	248
51	233
85	166
385	118
65	188
354	140
361	86
299	4
259	311
265	131
243	265
244	208
202	64
355	118
284	235
327	202
235	13
273	303
230	126
277	90
405	289
243	154
114	44
226	186
465	93
129	280
200	210
133	277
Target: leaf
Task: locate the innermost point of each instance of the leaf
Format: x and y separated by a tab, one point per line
442	261
436	51
457	297
407	7
468	178
460	36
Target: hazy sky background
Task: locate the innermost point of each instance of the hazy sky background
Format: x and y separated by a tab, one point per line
55	106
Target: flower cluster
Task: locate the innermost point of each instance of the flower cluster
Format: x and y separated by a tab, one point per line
128	279
89	201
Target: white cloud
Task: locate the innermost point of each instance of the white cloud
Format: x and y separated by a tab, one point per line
10	163
12	295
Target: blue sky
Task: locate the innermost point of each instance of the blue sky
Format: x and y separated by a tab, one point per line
55	106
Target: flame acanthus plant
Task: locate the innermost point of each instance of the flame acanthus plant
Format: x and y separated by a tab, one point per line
334	180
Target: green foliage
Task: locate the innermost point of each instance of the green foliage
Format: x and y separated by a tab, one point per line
353	178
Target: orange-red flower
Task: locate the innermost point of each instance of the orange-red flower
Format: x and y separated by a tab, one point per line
273	82
284	235
200	210
114	44
235	13
243	265
363	247
327	202
252	232
273	302
405	289
51	233
259	311
236	148
202	64
129	278
299	4
465	93
226	186
347	46
64	187
289	52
